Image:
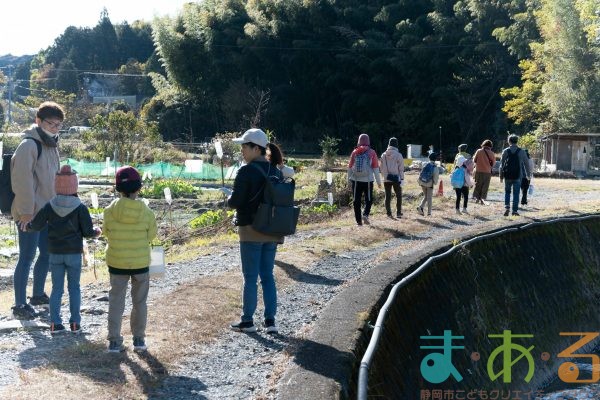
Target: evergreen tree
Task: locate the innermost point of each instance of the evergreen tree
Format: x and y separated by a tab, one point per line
66	77
570	58
106	54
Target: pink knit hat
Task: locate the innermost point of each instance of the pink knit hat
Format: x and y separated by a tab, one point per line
363	140
66	181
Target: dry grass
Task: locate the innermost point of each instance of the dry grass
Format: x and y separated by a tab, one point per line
88	276
194	310
84	369
91	373
200	246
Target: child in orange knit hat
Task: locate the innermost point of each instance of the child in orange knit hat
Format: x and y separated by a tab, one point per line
69	222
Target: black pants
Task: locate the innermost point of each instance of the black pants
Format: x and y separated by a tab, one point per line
524	188
464	191
359	189
388	197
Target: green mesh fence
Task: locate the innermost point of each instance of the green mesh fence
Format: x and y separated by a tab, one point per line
193	169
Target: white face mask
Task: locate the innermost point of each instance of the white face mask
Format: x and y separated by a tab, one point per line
52	135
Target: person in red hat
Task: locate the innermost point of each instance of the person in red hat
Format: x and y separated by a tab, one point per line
69	222
129	226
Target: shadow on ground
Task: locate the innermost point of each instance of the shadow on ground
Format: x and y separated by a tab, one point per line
431	223
300	276
309	354
75	355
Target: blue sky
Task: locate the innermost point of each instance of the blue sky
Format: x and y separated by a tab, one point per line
29	26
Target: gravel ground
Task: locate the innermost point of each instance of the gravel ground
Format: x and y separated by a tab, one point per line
235	365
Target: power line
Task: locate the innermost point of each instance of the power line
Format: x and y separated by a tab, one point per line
10	90
36	80
32	89
92	72
112	74
419	46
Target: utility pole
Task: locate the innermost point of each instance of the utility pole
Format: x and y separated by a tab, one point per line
440	140
10	90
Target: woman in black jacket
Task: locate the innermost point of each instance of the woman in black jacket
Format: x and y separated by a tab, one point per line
257	250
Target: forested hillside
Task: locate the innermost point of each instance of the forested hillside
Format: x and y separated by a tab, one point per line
403	68
426	71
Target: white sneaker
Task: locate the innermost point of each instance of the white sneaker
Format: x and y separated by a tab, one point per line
464	211
270	326
458	211
420	210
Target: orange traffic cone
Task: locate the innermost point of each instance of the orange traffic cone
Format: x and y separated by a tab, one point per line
440	191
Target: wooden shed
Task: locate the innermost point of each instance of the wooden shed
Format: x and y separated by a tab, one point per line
575	152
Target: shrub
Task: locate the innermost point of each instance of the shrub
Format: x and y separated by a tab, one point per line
324	208
329	146
211	217
179	188
10	143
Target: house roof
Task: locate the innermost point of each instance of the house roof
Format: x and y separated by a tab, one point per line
569	135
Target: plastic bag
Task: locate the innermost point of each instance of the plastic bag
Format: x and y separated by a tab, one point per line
530	190
157	262
87	262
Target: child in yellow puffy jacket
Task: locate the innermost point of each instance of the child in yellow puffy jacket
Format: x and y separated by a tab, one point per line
129	226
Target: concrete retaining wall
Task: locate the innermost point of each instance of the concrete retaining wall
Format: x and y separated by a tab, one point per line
541	280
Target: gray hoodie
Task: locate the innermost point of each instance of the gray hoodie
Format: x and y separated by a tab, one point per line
32	178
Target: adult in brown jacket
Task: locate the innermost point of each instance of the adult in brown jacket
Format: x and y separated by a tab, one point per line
34	166
484	161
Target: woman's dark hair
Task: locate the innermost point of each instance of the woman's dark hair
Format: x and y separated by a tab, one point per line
275	155
263	151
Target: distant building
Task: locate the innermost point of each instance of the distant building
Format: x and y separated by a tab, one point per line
572	152
131	100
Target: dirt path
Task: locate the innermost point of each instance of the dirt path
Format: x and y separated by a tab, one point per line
193	355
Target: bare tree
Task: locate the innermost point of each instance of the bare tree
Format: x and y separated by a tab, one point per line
257	101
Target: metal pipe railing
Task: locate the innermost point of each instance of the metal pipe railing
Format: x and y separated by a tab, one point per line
363	372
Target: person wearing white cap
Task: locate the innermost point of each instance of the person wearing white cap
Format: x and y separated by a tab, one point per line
462	151
463	191
257	250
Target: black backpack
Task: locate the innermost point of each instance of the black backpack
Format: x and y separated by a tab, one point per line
511	169
6	194
276	214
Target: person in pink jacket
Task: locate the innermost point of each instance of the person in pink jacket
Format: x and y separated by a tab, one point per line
363	169
392	170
